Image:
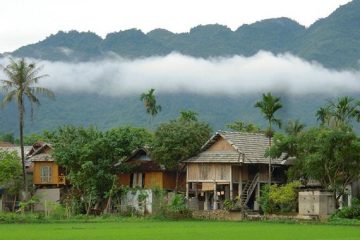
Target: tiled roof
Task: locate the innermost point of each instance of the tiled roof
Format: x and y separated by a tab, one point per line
250	148
41	157
216	156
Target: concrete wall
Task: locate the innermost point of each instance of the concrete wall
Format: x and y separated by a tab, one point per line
131	199
48	198
355	189
316	203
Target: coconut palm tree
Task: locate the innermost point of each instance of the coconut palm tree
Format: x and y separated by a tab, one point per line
20	85
268	107
149	100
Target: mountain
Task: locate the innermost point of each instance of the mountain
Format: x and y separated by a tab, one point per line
107	112
333	41
64	46
132	43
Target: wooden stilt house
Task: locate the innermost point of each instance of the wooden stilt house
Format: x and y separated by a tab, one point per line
141	171
46	173
230	165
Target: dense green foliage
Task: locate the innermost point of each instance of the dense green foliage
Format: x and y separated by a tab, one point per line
10	172
199	230
179	140
332	41
352	212
277	198
88	152
330	156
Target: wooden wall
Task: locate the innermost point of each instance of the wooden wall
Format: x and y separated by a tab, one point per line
124	179
209	171
221	145
163	180
153	179
169	181
264	173
54	173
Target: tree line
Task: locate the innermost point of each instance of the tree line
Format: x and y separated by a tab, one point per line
328	153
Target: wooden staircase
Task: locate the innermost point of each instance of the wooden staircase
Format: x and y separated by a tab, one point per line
248	190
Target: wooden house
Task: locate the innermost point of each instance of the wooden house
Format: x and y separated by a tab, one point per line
230	165
141	171
46	173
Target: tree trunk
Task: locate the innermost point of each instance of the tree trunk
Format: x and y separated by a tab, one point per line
270	132
177	179
21	131
14	204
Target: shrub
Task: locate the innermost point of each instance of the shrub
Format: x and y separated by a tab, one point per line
352	212
276	198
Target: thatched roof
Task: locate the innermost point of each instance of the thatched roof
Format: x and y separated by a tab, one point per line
249	148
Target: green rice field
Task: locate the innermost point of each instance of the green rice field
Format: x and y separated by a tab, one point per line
173	230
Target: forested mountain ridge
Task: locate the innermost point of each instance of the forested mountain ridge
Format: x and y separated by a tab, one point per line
333	41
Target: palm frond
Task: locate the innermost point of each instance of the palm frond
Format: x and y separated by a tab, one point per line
8	98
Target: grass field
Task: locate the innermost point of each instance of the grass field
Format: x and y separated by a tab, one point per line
199	230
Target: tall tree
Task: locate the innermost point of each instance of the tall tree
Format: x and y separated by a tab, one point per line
10	174
179	140
294	127
323	115
21	85
331	156
149	100
268	106
339	114
88	152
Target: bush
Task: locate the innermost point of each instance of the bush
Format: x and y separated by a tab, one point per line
266	205
276	198
57	212
21	218
176	209
352	212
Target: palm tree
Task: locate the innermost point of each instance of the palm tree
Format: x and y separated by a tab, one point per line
268	107
344	111
294	127
19	86
149	101
324	115
339	114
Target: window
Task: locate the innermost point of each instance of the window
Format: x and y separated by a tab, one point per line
45	174
137	180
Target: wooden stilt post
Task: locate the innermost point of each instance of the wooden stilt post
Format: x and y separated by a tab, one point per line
215	197
231	184
240	182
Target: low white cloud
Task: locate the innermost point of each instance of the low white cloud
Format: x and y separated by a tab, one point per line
178	73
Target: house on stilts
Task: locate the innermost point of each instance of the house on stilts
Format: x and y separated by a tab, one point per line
231	165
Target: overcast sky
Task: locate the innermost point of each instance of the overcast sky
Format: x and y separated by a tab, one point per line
27	21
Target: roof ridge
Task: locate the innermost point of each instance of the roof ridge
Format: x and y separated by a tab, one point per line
244	133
